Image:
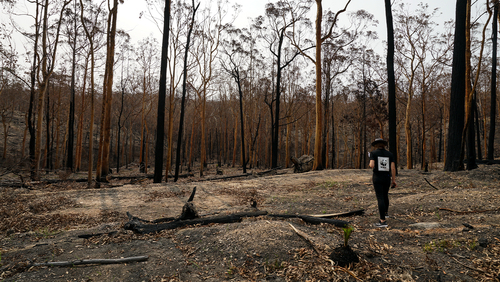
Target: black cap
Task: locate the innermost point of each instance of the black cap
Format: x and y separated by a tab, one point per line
378	141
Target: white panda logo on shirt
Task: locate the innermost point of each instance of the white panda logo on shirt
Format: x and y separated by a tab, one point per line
383	164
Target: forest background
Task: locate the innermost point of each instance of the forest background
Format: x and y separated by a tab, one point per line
84	91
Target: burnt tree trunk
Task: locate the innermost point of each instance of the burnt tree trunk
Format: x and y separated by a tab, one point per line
160	128
183	100
458	86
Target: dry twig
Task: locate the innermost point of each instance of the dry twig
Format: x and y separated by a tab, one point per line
469	267
465	212
430	183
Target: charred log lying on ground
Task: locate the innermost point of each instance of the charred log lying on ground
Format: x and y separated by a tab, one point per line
92	261
142	228
189	217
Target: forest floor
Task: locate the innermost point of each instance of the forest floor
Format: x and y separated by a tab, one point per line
426	239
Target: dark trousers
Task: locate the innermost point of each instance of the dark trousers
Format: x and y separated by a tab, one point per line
382	185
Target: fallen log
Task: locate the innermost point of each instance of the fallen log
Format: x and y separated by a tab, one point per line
88	236
340	214
314	220
226	177
92	261
139	227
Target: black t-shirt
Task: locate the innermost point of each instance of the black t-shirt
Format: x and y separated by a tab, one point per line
383	160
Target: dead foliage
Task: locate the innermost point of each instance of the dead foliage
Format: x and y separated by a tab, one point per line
158	195
30	212
262	249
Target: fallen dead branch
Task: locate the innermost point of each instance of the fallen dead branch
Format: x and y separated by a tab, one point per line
314	220
340	214
466	212
469	267
92	261
323	257
226	177
305	237
430	184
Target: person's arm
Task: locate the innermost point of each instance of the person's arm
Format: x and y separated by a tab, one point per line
372	163
393	172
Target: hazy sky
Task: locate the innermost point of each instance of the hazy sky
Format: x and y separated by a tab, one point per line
139	28
128	13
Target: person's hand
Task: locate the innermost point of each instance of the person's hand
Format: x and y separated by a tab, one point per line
394	185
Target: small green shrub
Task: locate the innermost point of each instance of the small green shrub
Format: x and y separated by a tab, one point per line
440	245
348	229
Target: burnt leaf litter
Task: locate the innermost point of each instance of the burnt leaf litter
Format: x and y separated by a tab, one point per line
443	227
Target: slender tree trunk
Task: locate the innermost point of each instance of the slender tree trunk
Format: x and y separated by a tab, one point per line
79	138
326	130
468	129
409	144
471	144
191	146
318	137
477	127
398	140
440	146
104	146
92	97
43	87
493	102
45	68
25	134
391	81
118	134
32	107
235	139
143	117
243	161
160	122
468	88
276	124
71	120
183	99
287	143
58	131
47	130
424	147
170	130
203	145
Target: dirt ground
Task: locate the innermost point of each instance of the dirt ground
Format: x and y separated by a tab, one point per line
443	227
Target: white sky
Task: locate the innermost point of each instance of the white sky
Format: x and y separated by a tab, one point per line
128	13
139	28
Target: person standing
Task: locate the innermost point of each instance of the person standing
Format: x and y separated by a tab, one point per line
384	177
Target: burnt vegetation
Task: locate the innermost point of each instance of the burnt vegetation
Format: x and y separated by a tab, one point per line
270	124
